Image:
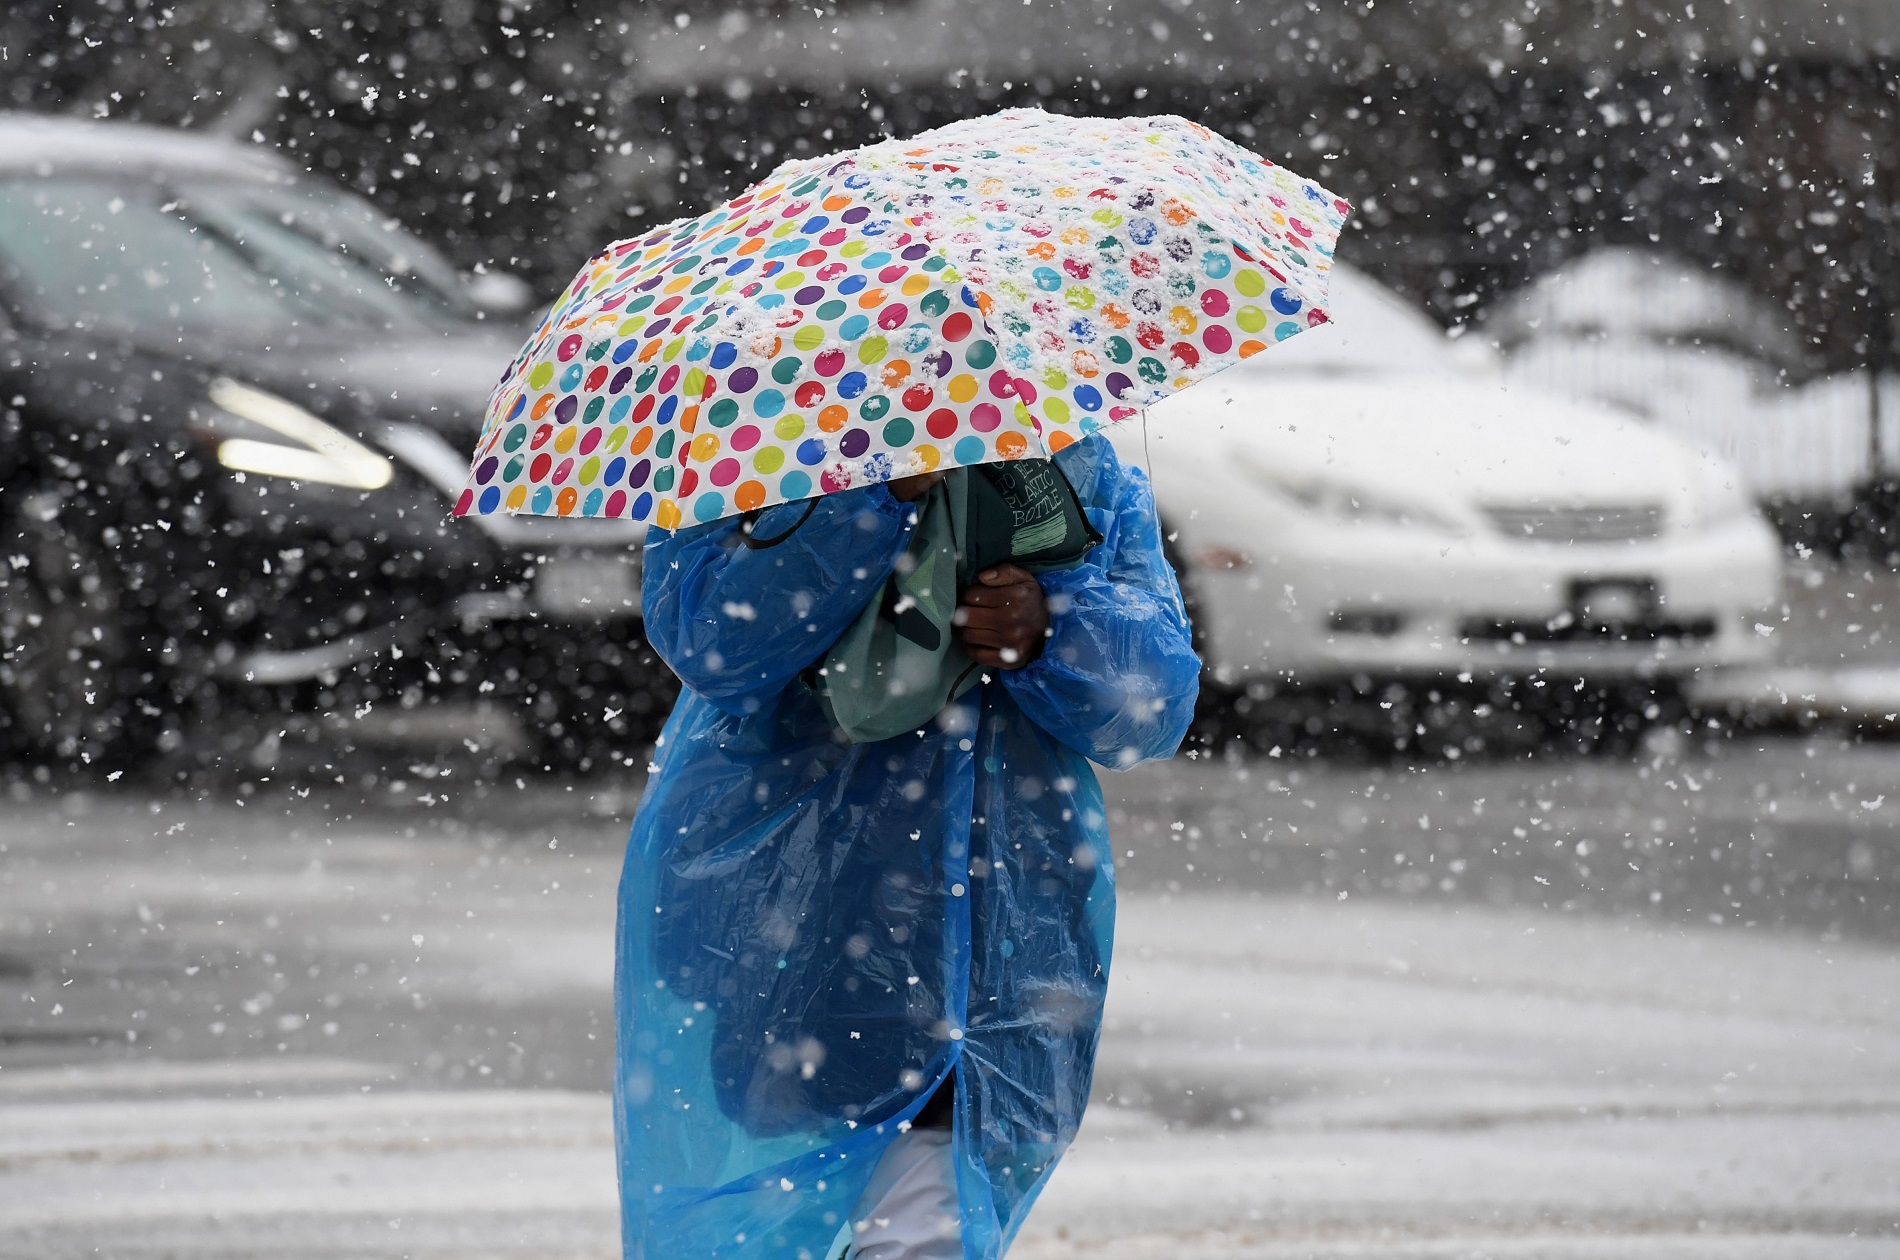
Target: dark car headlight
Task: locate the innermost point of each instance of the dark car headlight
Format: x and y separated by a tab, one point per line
257	432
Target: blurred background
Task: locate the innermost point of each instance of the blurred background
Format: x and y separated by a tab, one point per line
1527	887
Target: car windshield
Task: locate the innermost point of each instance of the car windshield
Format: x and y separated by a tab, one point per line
236	257
1373	330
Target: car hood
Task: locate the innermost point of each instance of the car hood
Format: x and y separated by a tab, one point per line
1444	439
440	380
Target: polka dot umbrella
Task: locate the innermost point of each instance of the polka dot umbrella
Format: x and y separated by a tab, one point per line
993	289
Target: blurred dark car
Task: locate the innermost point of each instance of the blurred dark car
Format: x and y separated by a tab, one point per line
235	409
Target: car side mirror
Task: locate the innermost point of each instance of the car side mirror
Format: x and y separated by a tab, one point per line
498	292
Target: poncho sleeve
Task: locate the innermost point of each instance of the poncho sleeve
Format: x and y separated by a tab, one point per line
1118	677
738	609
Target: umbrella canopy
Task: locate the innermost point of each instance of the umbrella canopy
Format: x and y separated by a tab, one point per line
993	289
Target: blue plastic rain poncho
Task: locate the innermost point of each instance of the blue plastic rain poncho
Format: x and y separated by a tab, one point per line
814	934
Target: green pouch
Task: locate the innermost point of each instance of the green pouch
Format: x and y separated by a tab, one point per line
899	664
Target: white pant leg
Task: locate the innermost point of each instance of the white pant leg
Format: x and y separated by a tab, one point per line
909	1211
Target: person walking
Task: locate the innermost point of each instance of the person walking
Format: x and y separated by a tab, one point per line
868	903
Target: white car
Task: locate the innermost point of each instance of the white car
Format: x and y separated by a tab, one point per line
1372	498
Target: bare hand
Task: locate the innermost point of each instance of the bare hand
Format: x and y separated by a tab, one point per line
911	489
1002	618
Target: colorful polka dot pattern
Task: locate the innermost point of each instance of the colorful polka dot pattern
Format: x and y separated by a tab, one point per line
994	289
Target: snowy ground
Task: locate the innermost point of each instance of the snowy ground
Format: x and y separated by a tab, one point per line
1450	1011
1309	1078
1281	1078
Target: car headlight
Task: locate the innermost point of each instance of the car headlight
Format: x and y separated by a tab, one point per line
250	429
1350	504
1357	505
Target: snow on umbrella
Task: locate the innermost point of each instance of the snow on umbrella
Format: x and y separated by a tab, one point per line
992	289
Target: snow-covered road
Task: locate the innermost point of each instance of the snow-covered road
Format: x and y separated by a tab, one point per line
1280	1078
1558	1008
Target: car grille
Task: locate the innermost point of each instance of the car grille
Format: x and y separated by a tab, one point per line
1580	523
1485	629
